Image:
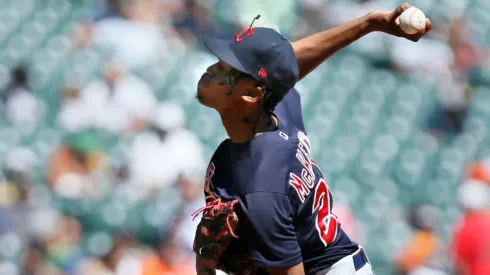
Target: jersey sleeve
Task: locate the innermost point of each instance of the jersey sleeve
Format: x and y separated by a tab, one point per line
274	243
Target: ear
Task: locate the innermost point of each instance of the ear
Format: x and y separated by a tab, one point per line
253	95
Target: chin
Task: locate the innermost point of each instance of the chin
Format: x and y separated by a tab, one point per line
199	96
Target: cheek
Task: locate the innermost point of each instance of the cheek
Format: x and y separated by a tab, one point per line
212	95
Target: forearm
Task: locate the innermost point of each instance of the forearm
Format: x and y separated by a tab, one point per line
205	266
206	271
311	51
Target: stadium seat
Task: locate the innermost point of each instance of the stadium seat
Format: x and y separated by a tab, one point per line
444	190
98	243
349	145
383	80
370	167
25	7
326	110
62	8
410	167
406	109
350	71
365	109
399	127
450	165
9	137
47	18
477	127
9	20
375	207
4	77
60	44
425	142
333	161
387	187
373	94
386	147
338	94
321	127
480	106
467	144
346	190
357	126
398	234
204	125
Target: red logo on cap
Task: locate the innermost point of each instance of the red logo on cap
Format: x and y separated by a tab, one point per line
262	73
249	32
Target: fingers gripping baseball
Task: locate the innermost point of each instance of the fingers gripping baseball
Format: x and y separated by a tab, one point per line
410	22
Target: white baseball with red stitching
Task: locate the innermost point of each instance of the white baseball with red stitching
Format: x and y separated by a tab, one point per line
412	20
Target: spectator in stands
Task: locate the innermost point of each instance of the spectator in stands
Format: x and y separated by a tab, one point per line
109	9
75	168
159	155
423	245
20	161
63	247
122	243
33	258
134	38
479	170
470	248
431	56
190	187
338	12
120	103
455	93
176	260
22	108
14	207
194	20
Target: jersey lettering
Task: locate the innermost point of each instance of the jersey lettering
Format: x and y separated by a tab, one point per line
307	178
298	185
303	154
326	222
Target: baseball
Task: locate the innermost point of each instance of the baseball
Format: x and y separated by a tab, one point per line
412	20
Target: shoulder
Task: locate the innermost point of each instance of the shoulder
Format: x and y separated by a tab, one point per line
289	110
221	151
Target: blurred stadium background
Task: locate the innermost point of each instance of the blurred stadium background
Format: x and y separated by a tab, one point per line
103	145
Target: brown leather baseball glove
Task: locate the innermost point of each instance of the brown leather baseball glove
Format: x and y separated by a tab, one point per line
216	232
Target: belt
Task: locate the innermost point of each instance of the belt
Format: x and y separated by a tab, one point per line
360	259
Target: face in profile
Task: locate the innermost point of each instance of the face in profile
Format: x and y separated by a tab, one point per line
223	88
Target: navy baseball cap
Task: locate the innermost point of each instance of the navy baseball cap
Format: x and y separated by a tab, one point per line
264	54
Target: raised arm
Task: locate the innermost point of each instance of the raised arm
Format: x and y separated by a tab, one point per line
311	51
205	266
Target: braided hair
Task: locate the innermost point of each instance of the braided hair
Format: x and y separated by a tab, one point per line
269	100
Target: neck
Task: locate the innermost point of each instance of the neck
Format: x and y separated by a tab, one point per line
241	130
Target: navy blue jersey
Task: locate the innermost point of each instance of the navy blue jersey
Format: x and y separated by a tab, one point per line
283	195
